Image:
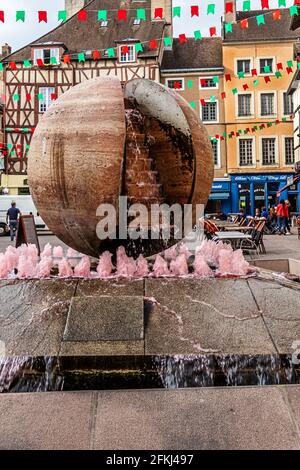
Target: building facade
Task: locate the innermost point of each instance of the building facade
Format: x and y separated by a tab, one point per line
5	51
195	70
75	51
258	109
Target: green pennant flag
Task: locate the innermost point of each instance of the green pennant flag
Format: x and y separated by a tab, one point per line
229	136
193	104
215	80
27	147
294	10
62	15
40	96
1	67
16	97
139	47
81	57
25	129
234	91
228	27
241	74
197	35
224	134
53	61
176	12
27	63
267	69
141	14
168	41
212	99
211	8
9	146
20	15
278	74
255	82
284	119
260	19
255	128
102	15
298	65
110	52
240	131
247	5
281	3
190	84
290	63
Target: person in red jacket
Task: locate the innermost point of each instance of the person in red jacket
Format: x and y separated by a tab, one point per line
282	213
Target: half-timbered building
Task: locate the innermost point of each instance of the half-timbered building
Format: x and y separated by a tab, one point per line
77	50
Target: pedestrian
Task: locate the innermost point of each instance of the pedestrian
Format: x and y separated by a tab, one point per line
288	219
282	215
12	216
264	213
257	213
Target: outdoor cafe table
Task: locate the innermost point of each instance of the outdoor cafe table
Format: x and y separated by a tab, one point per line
235	238
238	229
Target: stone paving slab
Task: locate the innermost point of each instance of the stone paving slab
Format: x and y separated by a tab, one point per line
102	348
190	419
216	316
111	287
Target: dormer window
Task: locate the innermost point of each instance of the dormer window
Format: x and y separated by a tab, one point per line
46	55
136	21
127	53
104	24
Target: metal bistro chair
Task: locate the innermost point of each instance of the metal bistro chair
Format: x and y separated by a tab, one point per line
256	242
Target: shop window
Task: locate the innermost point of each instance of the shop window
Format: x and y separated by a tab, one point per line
246	152
289	150
268	151
23	191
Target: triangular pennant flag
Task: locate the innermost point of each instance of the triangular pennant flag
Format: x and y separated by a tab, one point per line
20	15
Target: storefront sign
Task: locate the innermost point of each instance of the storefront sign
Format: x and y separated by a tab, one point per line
220	186
260	178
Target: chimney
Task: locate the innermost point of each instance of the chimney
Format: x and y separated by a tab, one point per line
230	17
6	50
73	6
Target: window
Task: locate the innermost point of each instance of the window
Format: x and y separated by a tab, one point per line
243	65
267	104
104	24
136	21
215	147
288	104
208	83
246	152
289	150
266	66
268	151
244	105
45	55
209	111
175	83
46	101
127	56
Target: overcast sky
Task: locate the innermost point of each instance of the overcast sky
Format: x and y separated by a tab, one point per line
20	34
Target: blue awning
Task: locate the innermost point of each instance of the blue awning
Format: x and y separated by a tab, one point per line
218	196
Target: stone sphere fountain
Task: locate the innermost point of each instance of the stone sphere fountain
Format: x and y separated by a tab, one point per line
99	141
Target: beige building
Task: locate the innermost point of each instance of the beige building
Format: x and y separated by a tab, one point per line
195	70
258	109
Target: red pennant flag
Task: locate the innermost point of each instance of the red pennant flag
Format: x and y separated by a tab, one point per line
245	87
217	136
28	97
194	10
42	15
82	15
244	24
237	134
125	49
153	44
265	4
203	102
289	70
213	31
252	129
2	16
279	66
122	15
222	138
276	15
67	59
158	13
39	63
53	96
182	38
202	82
263	126
248	129
13	65
229	7
232	133
277	121
254	72
96	55
228	77
267	79
223	95
177	85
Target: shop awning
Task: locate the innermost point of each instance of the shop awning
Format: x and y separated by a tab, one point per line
218	196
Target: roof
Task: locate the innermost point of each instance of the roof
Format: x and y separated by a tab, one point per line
80	36
270	31
203	54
